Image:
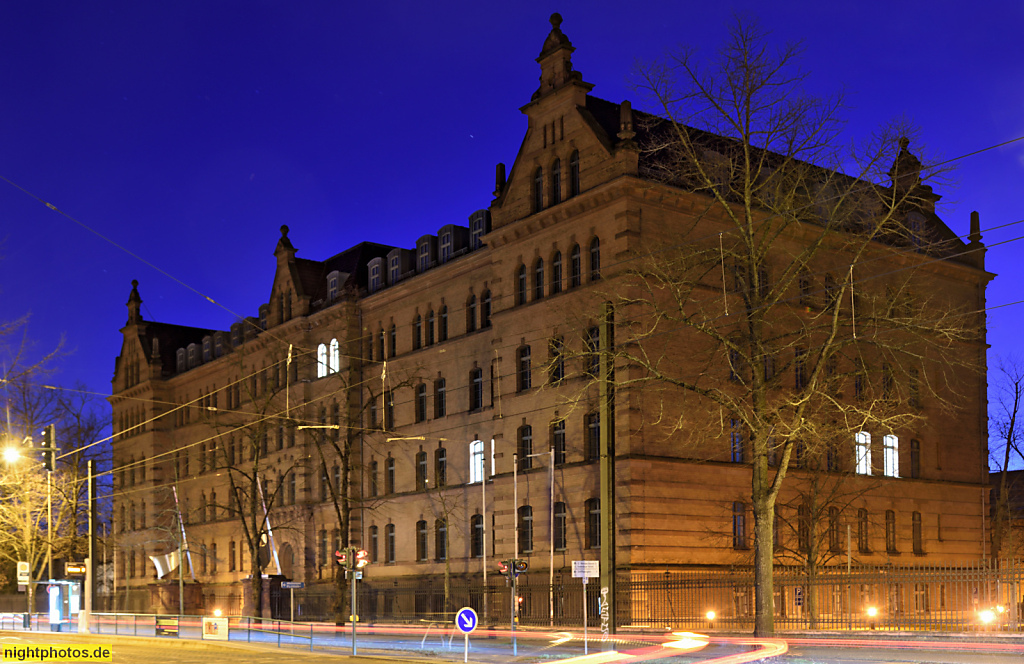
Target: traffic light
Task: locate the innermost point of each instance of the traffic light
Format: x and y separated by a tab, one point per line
49	446
519	566
505	569
362	559
341	558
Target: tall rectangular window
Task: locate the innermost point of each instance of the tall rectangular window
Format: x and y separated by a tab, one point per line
389	411
592	424
739	525
862	451
476	529
918	532
389	475
440	398
523	369
915	458
736	440
890	531
421	470
560	530
558	441
421	402
476	461
891	455
593	529
525	529
476	389
446	246
556	353
863	543
525	447
374	551
389	543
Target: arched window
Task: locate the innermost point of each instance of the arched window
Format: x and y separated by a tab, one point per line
440	398
380	345
476	389
440	539
525	529
863	543
739	525
891	456
335	359
556	273
593	530
485	309
321	360
389	475
575	267
890	531
442	324
471	314
374	480
421	402
389	543
417	332
476	530
862	449
523	369
524	446
538	190
373	552
538	279
421	540
556	182
574	173
521	285
559	530
430	328
421	470
441	467
595	259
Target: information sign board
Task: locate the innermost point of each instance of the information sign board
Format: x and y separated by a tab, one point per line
293	585
586	569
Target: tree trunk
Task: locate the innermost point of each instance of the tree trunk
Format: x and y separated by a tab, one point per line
764	582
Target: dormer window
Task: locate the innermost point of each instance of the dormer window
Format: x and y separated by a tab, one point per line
478	227
424	257
446	246
394	270
181	360
374	268
207	349
236	335
218	344
193	356
264	316
333	282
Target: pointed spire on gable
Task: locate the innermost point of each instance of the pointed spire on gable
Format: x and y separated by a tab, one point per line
134	304
284	244
556	61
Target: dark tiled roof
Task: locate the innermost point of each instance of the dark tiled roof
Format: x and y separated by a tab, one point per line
171	337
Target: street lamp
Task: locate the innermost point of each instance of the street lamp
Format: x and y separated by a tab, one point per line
11	454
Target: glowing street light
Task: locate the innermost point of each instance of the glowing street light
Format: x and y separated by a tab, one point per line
987	616
11	454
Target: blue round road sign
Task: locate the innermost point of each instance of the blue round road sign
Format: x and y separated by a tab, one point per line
466	620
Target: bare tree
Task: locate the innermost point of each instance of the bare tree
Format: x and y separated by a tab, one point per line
1006	451
794	298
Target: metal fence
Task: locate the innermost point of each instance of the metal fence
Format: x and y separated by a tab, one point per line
883	597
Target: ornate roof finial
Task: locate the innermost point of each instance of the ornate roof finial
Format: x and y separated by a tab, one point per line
556	20
134	304
284	244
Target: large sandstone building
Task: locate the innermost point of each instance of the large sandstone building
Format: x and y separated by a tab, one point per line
431	366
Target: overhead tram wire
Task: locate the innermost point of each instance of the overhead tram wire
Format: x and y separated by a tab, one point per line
363	338
245	319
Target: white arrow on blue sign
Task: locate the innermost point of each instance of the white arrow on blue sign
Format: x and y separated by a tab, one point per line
466	620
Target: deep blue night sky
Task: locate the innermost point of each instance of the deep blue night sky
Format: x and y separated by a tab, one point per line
188	132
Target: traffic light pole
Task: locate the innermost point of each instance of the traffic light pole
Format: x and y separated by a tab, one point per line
354	614
49	525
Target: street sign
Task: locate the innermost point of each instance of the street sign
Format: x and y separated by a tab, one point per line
24	578
586	569
73	569
292	585
798	596
466	620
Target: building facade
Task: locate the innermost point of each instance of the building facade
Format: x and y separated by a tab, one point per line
424	371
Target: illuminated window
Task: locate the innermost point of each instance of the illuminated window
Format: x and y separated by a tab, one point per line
891	456
862	450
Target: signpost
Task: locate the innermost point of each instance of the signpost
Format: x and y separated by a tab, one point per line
585	569
74	569
24	577
466	620
291	586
